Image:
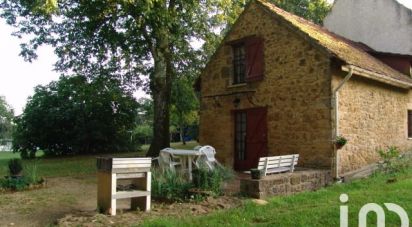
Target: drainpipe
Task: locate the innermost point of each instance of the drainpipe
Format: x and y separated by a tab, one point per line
335	100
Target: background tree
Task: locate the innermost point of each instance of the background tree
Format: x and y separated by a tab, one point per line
122	39
313	10
143	131
184	105
6	119
74	116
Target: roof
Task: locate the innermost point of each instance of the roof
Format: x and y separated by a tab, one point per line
346	50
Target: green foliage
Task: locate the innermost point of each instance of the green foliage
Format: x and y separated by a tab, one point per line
174	185
313	10
6	119
207	180
185	105
392	161
75	116
123	39
14	183
15	166
341	141
170	185
143	132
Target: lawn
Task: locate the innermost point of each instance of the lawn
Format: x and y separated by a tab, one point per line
321	208
72	165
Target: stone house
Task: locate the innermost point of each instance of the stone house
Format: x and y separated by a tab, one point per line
384	25
279	84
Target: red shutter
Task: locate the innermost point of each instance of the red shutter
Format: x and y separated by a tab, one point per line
256	137
254	59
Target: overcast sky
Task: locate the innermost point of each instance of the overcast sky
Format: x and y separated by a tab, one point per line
18	78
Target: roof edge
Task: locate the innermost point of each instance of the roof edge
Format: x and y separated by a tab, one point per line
376	76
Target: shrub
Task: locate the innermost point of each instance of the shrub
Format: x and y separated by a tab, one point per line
212	181
15	166
14	183
341	141
170	185
31	174
392	161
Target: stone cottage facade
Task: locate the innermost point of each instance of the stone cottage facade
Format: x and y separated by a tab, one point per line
270	89
384	25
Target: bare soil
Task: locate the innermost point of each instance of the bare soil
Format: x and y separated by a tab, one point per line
68	201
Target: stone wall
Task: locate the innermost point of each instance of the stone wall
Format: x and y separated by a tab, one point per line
372	116
285	183
296	91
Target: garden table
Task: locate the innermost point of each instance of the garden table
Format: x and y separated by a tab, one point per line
186	156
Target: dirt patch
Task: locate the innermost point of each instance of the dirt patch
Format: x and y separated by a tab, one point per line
71	201
127	218
42	207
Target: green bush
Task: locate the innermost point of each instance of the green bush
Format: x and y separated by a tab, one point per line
175	186
212	181
14	183
15	166
392	161
170	185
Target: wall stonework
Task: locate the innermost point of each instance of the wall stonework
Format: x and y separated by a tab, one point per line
296	91
372	116
285	183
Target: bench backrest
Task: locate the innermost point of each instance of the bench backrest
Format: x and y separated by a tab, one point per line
274	162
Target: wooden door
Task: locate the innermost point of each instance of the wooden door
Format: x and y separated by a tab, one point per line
250	137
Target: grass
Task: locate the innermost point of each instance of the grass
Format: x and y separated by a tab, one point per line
72	165
320	208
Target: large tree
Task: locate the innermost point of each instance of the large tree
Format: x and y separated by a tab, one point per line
75	116
124	39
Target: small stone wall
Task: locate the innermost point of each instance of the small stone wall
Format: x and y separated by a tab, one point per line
285	183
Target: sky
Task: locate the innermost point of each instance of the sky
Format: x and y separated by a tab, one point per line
18	78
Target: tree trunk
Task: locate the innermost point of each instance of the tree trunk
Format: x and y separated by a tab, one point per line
160	82
182	134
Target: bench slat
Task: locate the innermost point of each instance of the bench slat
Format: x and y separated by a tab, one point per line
132	161
130	194
276	166
273	158
276	162
119	166
278	170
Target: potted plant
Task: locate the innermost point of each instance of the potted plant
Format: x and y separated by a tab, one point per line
15	168
256	174
340	142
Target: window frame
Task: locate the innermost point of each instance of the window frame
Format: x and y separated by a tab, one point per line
239	63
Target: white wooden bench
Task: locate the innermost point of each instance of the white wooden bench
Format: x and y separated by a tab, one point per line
278	164
112	169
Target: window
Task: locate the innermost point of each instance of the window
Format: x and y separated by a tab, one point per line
409	123
248	60
239	64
